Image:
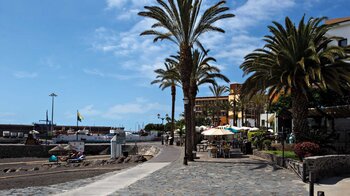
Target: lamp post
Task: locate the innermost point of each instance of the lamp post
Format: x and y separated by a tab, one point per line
53	95
185	156
162	118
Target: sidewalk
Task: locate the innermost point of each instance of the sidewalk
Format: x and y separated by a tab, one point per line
125	178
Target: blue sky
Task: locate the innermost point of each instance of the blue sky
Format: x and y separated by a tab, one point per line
91	55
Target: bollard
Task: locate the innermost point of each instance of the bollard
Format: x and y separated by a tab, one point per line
320	193
311	183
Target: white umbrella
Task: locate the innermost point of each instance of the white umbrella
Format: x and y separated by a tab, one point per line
216	131
254	129
245	128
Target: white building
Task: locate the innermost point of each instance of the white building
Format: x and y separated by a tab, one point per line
341	30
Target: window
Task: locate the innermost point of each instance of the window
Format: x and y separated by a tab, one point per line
343	42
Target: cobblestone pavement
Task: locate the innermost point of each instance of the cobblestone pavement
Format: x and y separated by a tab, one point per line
207	176
235	176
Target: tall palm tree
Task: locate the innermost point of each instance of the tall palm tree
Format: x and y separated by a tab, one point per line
181	24
294	60
169	78
258	100
218	91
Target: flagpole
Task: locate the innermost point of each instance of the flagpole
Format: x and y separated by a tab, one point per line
77	124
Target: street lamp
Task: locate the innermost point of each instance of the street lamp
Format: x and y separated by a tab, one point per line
186	101
162	118
53	95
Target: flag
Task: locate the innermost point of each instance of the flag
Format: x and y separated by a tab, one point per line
79	117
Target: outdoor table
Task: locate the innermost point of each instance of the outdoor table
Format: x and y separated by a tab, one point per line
202	147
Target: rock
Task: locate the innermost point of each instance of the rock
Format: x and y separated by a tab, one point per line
120	159
86	163
138	158
111	161
76	165
11	170
34	169
127	159
55	166
20	169
99	162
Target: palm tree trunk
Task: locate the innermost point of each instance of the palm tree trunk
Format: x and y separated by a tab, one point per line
242	115
234	112
173	96
300	114
186	64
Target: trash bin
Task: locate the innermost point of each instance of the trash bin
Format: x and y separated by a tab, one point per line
248	148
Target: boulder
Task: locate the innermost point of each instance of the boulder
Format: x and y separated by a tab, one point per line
11	170
127	159
138	158
20	169
120	159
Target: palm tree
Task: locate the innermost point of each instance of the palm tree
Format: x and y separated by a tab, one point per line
258	100
294	60
218	91
180	23
169	78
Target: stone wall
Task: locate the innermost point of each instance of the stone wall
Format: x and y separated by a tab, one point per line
328	166
321	166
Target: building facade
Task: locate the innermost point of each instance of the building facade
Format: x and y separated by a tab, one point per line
214	108
229	109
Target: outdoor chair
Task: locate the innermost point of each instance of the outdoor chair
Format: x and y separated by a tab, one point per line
214	152
227	153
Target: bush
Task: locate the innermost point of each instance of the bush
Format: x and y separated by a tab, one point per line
306	149
267	144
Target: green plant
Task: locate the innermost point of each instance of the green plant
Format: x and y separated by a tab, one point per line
287	154
257	138
267	144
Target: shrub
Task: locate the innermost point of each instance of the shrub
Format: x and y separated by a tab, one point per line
267	144
306	149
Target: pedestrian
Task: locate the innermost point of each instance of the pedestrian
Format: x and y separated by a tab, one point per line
167	139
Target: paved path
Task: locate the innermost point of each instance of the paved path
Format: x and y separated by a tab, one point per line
166	175
241	175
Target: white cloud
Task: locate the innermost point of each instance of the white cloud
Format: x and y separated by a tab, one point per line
115	3
49	61
126	9
6	114
89	110
99	73
94	72
24	74
139	107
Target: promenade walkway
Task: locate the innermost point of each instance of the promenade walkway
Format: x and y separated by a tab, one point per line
166	175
